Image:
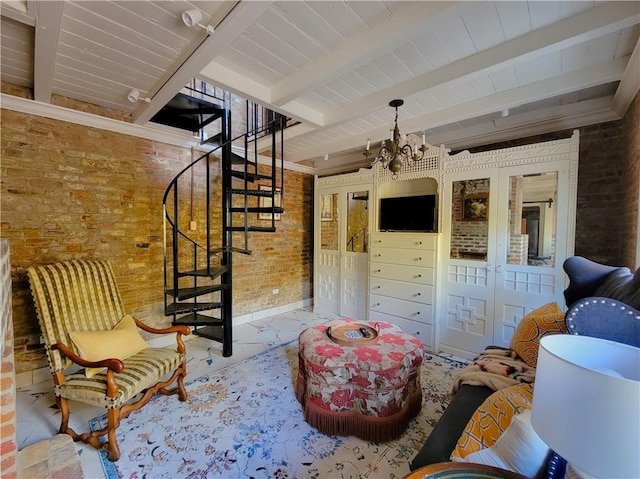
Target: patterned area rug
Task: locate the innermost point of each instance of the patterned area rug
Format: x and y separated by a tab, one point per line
243	421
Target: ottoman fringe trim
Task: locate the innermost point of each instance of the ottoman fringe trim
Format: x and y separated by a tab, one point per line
369	428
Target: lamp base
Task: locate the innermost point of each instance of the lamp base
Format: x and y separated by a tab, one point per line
574	472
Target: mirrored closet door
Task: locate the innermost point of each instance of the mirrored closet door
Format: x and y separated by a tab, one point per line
341	220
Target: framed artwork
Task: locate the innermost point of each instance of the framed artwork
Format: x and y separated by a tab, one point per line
266	202
475	207
326	210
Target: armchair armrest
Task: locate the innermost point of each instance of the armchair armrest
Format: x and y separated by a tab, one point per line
180	329
114	364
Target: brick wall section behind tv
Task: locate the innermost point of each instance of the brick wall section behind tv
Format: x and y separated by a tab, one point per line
608	182
71	192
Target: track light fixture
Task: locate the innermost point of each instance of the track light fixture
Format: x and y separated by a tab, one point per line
134	96
193	17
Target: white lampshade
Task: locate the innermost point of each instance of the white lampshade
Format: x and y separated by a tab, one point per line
586	404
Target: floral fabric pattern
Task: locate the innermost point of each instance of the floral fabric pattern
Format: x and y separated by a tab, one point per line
375	380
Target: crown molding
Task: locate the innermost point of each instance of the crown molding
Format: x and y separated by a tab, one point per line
159	133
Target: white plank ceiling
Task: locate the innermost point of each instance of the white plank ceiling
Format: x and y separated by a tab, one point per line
335	65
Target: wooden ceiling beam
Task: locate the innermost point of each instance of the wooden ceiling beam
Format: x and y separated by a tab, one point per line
233	25
563	34
363	48
566	83
48	21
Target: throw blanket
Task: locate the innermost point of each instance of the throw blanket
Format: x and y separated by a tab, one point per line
497	369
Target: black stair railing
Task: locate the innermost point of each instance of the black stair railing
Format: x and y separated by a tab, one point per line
198	266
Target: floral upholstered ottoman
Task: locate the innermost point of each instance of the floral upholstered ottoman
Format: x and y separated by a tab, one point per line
371	391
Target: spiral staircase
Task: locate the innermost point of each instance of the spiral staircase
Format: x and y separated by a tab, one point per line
211	207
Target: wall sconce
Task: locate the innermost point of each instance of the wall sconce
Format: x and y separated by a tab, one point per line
134	96
193	17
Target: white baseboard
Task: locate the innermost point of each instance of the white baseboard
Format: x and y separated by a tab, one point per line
265	313
28	378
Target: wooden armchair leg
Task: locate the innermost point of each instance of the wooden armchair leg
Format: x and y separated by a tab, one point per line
182	392
63	405
113	420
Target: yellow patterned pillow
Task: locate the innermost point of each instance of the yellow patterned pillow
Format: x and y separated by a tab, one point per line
492	418
122	341
545	320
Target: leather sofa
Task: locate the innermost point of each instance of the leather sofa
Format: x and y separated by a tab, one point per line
603	302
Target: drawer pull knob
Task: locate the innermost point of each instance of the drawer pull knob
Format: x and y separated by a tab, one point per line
419	242
419	276
419	258
378	256
417	294
376	287
377	271
418	313
375	305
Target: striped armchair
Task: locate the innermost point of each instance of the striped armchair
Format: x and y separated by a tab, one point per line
82	297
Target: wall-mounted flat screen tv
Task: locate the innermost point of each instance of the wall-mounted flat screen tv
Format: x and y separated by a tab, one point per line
408	213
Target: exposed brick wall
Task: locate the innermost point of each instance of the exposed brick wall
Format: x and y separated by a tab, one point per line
8	445
608	182
631	187
72	192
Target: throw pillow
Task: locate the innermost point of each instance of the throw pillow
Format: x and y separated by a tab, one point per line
519	449
540	322
122	341
492	418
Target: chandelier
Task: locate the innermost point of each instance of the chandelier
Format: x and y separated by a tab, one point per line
392	155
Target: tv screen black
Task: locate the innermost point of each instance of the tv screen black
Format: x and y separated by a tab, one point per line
408	213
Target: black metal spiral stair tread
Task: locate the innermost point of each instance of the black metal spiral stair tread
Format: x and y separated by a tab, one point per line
197	319
264	193
214	332
212	272
187	113
255	229
258	209
188	293
180	308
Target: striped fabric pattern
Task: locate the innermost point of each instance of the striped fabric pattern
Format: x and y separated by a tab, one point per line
78	295
141	371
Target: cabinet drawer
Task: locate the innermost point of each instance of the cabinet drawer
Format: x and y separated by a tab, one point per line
405	240
412	274
422	331
399	307
420	293
409	257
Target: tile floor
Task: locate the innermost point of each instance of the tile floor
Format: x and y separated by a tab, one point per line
38	418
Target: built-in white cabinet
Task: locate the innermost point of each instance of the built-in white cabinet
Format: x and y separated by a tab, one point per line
504	224
402	281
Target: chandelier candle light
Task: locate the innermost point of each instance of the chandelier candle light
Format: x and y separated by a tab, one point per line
392	155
